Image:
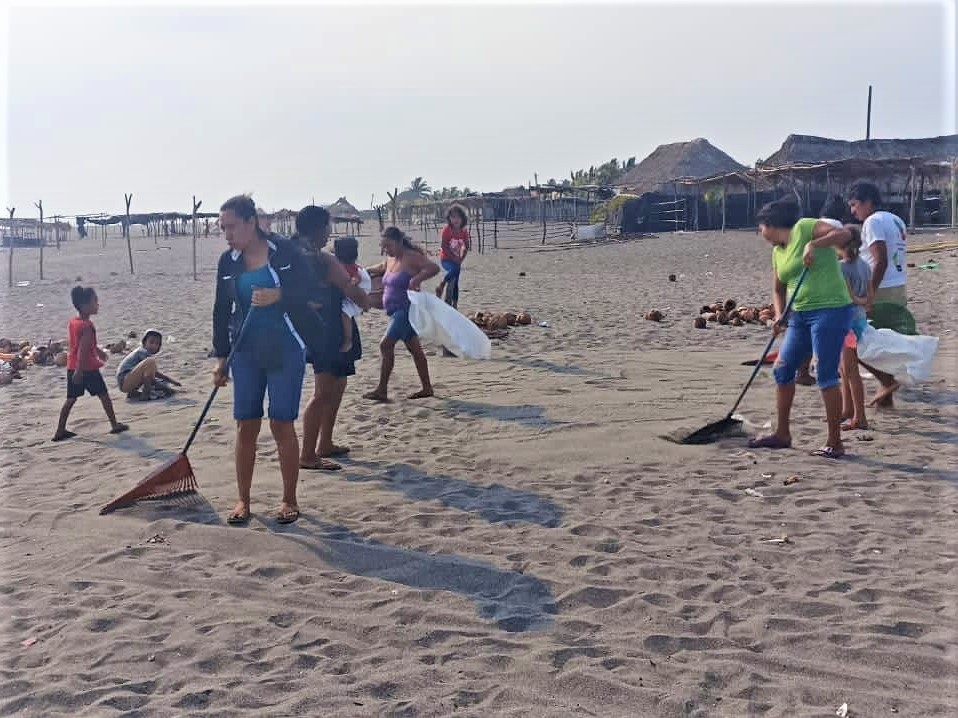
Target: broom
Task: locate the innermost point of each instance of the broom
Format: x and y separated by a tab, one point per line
729	425
175	478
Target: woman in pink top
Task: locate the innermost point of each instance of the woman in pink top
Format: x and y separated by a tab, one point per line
405	269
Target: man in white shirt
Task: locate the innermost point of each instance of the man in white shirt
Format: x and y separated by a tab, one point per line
883	247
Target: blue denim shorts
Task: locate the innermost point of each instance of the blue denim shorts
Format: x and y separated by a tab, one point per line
399	328
284	385
818	331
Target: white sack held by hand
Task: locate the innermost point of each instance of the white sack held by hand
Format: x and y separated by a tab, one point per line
437	323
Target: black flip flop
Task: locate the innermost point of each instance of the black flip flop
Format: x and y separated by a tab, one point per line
322	464
238	519
288	517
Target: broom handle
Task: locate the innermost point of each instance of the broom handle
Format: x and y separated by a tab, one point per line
209	402
771	341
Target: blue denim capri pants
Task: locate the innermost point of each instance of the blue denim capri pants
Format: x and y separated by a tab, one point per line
818	331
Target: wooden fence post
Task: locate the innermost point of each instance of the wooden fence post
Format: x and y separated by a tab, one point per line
954	198
196	207
911	202
39	206
129	248
13	241
724	198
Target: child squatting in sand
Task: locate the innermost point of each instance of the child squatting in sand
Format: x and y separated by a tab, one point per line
138	376
83	363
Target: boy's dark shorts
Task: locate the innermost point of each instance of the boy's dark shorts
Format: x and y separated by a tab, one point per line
92	383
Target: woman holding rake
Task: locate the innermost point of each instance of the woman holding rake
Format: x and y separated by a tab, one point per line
261	314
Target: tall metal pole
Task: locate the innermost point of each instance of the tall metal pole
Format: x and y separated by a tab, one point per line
868	122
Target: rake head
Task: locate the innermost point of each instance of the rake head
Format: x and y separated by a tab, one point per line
173	479
721	429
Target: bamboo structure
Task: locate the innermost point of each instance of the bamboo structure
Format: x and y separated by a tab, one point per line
129	247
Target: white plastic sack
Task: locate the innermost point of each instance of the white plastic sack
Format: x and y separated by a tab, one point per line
907	358
438	323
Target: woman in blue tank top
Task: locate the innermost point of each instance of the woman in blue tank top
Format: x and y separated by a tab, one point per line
269	351
405	269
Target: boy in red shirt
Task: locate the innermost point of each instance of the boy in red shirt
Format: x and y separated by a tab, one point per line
83	363
456	244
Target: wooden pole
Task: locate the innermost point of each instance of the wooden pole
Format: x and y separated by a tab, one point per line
56	230
129	247
39	206
911	203
724	197
542	211
13	240
698	194
868	121
954	197
196	207
921	190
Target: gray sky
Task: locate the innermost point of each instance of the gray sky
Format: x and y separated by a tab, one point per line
300	102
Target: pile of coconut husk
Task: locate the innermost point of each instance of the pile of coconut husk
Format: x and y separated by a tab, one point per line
16	356
727	311
496	324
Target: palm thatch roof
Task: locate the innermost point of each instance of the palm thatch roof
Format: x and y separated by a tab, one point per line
411	196
343	211
693	160
141	218
805	150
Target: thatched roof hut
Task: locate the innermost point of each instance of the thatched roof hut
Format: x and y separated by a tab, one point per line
342	210
915	176
805	150
677	162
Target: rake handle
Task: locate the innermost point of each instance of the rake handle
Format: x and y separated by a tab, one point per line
209	401
771	341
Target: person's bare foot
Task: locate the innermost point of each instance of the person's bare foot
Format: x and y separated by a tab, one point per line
119	429
422	394
854	425
376	395
63	435
883	398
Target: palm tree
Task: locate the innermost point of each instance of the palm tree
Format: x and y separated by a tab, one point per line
393	203
419	187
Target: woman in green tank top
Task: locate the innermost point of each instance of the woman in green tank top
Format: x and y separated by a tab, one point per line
821	314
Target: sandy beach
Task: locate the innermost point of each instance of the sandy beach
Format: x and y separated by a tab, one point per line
522	545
